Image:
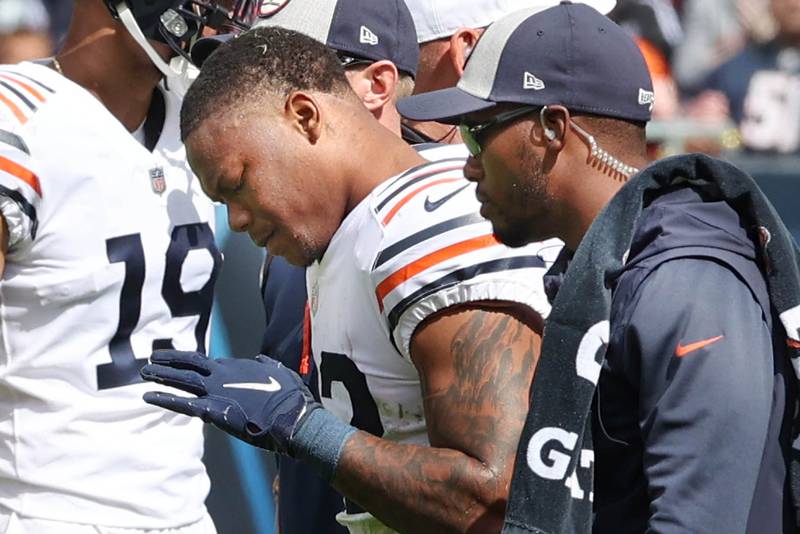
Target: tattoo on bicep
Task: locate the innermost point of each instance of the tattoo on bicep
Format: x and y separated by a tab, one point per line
474	423
493	357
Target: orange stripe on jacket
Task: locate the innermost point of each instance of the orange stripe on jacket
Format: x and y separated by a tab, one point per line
22	173
434	258
305	357
14	109
36	94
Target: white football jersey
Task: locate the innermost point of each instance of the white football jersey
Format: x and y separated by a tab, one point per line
416	245
111	255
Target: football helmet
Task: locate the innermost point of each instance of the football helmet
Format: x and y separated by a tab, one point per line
179	23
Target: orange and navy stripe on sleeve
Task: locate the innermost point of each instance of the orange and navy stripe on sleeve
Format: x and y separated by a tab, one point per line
426	233
18	181
20	95
436	249
406	186
406	272
458	276
21	173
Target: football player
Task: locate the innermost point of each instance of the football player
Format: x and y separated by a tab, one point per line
424	328
108	253
379	73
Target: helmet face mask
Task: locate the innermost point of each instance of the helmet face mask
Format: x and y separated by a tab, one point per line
179	23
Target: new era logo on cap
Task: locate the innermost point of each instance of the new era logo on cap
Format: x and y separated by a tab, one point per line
568	54
368	37
532	82
374	30
647	98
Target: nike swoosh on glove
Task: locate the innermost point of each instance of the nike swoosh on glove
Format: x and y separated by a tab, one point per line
259	401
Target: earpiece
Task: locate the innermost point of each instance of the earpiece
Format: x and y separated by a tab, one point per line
548	132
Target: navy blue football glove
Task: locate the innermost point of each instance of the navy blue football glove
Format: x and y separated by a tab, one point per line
259	401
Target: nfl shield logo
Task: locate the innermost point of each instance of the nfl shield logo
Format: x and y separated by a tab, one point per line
314	298
157	180
270	7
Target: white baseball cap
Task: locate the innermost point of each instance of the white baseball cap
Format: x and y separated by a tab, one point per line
436	19
16	15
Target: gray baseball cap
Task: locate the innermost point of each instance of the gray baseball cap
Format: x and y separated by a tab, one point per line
569	54
437	19
367	29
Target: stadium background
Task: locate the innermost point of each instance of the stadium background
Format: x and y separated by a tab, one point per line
678	41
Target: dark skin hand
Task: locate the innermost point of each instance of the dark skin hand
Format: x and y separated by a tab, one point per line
476	366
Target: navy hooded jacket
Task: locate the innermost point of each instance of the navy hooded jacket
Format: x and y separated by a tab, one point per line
691	416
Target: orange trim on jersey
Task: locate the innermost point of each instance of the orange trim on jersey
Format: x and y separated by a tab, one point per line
36	94
404	201
305	358
22	173
434	258
791	343
14	109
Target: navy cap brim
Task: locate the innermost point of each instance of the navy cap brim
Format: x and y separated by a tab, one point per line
446	105
206	46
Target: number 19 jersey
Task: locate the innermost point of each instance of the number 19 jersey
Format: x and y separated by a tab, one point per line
111	255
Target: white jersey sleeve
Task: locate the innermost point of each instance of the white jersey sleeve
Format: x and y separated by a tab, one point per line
438	252
20	188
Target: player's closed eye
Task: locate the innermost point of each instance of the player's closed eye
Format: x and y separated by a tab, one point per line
230	188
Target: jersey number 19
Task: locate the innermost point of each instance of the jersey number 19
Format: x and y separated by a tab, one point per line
124	367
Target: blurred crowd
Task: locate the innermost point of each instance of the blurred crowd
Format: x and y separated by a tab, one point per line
726	72
31	28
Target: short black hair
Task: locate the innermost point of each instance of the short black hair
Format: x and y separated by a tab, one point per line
616	133
259	61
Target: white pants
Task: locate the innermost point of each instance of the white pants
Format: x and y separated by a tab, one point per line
11	523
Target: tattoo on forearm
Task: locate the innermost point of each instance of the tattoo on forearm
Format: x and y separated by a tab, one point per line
474	420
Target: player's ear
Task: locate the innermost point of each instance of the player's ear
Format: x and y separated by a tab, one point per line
550	126
304	114
461	45
549	130
380	80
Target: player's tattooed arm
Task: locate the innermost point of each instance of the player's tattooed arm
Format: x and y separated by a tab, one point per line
476	367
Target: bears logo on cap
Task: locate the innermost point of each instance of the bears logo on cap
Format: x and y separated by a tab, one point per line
270	7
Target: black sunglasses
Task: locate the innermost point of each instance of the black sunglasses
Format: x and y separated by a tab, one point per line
473	135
